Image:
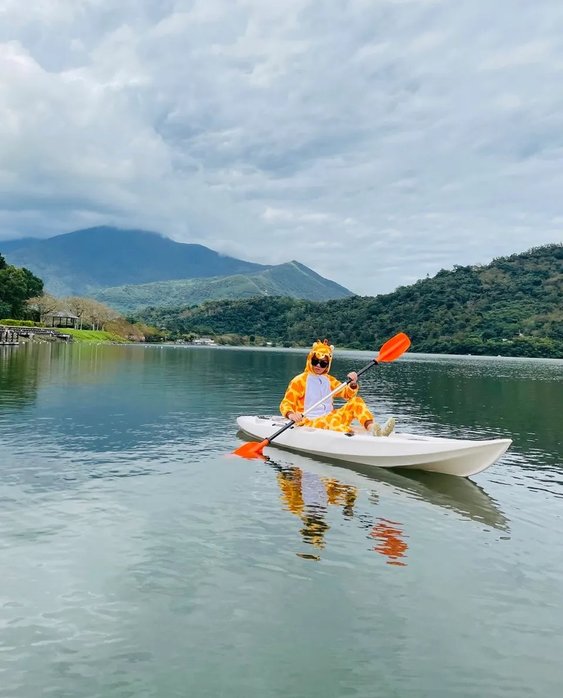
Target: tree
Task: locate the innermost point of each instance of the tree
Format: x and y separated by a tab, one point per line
122	328
97	314
5	309
43	304
78	306
16	286
34	284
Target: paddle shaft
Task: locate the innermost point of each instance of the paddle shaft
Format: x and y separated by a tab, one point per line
338	388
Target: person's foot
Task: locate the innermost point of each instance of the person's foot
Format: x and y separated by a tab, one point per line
389	427
376	429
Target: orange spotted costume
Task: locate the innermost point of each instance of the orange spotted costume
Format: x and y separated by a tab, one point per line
308	387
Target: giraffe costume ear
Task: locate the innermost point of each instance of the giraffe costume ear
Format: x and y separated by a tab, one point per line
321	349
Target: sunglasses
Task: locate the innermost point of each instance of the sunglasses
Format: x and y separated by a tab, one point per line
323	363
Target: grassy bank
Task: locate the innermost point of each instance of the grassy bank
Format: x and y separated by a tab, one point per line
94	336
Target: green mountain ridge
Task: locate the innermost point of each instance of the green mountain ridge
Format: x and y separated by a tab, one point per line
124	262
79	262
290	279
511	307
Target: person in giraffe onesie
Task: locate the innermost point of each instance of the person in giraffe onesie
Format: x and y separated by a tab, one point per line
314	383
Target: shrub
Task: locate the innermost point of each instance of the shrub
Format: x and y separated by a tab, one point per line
21	323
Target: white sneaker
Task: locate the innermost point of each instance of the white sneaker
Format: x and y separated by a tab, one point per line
389	426
375	429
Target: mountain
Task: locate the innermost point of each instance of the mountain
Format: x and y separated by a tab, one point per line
510	307
290	279
9	245
78	262
129	269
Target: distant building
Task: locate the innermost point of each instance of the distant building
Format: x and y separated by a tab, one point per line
61	318
205	341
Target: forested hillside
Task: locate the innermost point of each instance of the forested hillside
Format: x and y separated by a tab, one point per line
79	262
290	279
511	307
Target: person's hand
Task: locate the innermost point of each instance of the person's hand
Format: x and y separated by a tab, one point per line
295	417
353	376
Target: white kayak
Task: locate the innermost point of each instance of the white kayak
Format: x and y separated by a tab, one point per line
462	457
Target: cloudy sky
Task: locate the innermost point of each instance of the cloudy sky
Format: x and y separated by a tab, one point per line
376	141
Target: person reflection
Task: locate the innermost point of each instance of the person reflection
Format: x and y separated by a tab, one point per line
390	542
308	496
389	535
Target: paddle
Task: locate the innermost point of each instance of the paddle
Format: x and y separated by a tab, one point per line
391	350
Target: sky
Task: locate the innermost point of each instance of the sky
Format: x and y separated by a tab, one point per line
376	141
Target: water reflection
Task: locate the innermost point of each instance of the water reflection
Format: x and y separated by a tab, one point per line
19	378
460	495
309	496
390	541
467	397
310	490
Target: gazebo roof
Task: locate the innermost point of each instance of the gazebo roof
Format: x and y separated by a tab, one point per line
61	314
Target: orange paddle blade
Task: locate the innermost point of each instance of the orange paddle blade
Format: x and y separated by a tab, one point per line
251	449
393	348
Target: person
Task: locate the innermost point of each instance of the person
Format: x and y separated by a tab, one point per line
314	383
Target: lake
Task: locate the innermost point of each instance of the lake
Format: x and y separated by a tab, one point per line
138	558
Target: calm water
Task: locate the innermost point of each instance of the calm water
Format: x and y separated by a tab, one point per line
137	559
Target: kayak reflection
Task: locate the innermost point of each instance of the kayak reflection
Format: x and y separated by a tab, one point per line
309	495
459	495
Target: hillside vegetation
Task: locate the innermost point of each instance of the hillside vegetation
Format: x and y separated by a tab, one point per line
284	279
511	307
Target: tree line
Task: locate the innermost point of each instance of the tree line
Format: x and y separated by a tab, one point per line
511	307
22	299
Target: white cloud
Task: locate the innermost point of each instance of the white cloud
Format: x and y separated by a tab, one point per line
276	215
403	135
526	54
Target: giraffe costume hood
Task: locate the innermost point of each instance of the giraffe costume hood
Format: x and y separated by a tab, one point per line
307	388
322	350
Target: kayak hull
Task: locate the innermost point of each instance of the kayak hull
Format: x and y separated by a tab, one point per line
461	457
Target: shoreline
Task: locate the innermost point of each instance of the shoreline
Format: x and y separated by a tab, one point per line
43	335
